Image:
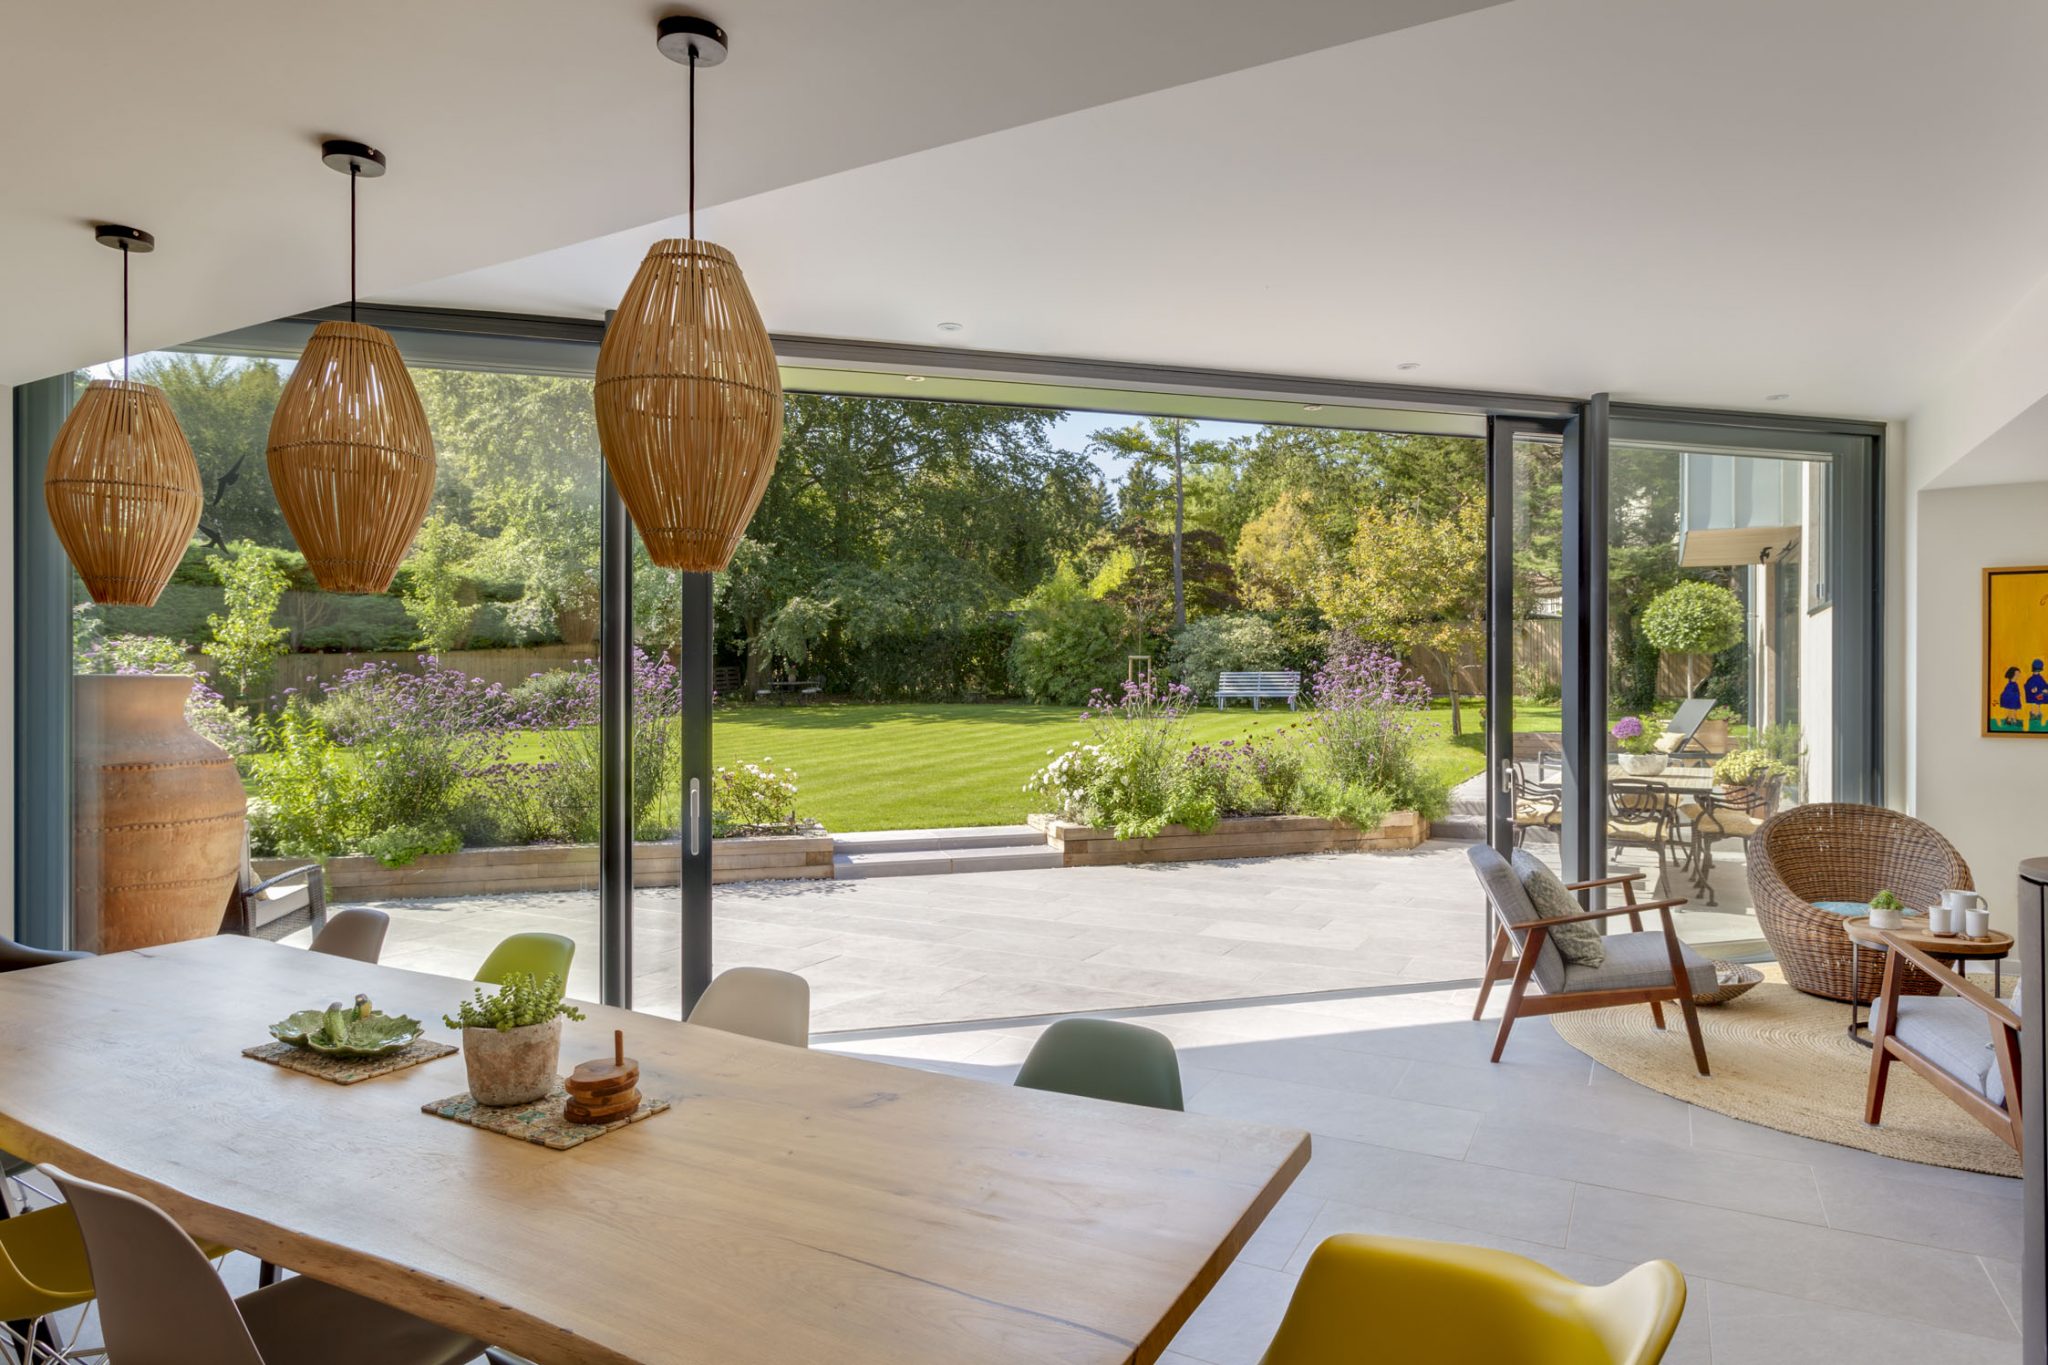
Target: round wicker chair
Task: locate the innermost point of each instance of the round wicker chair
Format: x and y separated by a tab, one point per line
1842	852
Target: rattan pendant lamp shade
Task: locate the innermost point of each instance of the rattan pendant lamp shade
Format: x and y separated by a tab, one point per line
351	459
688	394
122	485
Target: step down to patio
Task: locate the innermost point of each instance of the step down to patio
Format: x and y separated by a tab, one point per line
933	852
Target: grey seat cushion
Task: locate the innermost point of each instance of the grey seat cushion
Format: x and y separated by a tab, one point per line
1512	904
1638	961
1953	1034
1579	944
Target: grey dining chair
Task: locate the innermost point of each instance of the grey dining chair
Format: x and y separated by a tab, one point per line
759	1002
162	1304
357	934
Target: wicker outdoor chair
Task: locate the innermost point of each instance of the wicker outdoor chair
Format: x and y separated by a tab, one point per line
1807	858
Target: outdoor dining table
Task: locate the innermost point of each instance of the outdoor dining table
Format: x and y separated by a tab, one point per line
793	1205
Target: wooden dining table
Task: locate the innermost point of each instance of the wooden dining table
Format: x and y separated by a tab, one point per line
792	1206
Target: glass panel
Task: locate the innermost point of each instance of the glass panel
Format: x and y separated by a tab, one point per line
1533	785
1721	676
435	744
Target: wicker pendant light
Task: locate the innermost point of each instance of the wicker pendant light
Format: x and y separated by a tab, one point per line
351	459
688	395
122	485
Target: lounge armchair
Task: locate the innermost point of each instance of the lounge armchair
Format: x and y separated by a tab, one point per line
1642	968
1944	1038
1681	732
1811	867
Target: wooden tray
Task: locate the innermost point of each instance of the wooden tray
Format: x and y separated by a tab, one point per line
348	1070
541	1122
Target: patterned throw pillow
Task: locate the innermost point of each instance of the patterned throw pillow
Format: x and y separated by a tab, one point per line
1579	943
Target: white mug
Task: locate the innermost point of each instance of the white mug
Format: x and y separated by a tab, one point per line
1939	919
1962	900
1977	922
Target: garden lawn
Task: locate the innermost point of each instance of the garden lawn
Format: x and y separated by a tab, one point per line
863	766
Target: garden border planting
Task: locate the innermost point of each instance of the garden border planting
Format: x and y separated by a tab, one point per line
1235	836
560	867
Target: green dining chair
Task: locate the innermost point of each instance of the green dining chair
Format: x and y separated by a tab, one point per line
1103	1059
537	955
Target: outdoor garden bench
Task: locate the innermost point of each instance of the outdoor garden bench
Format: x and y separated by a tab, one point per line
1282	686
802	687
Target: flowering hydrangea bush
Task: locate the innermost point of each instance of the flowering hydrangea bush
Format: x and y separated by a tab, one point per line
1632	737
753	798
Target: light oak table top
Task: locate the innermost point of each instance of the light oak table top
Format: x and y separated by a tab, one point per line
793	1205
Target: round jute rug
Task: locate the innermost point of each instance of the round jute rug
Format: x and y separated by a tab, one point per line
1783	1059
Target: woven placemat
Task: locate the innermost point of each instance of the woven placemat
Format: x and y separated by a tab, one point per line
541	1122
348	1070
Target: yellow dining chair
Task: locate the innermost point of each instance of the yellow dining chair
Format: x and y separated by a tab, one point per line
1393	1298
537	955
43	1271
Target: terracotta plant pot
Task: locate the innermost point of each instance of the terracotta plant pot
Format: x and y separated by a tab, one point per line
157	815
512	1066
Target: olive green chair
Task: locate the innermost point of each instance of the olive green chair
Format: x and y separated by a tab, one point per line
1103	1059
537	955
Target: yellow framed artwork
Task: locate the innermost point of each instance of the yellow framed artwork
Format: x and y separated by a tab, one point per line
2014	703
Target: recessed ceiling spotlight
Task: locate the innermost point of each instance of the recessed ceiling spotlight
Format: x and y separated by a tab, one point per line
1311	407
1776	397
952	326
913	379
1409	365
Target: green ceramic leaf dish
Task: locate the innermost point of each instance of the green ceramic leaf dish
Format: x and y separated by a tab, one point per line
357	1032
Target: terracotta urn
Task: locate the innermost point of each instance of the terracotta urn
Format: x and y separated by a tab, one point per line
514	1065
157	816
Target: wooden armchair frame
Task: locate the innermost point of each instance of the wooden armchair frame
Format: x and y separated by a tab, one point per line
1885	1046
1525	941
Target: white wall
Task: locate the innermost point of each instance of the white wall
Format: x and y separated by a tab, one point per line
1985	795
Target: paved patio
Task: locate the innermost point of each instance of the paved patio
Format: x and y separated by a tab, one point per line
1000	945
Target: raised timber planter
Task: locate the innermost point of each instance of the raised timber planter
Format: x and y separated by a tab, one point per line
561	867
1238	836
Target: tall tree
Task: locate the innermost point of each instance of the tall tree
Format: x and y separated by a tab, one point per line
224	404
1166	444
1417	581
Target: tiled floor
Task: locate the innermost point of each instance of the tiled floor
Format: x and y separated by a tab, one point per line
996	945
1795	1251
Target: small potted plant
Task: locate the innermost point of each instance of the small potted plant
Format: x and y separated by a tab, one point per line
1639	756
511	1040
1886	910
1752	778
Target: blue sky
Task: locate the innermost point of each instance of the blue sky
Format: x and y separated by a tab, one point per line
1071	433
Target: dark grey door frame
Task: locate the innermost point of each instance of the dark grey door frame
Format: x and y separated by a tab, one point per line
42	678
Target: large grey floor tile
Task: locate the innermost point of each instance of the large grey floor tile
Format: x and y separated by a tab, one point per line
1752	1327
1674	1170
1236	1322
1983	1220
1941	1288
1324	1111
1486	1199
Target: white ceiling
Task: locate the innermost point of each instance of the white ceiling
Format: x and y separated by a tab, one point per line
1702	201
513	127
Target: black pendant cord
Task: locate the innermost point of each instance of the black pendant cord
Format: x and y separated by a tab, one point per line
355	173
124	312
693	142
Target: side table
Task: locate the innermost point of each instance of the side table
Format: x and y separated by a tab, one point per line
1954	949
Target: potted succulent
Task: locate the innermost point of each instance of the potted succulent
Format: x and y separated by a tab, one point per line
511	1040
1751	777
1639	756
1886	910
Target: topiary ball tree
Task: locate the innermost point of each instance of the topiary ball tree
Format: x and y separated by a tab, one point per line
1694	618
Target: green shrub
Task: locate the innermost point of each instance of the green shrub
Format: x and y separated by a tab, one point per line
247	640
1750	768
401	844
309	789
1225	643
1068	644
755	797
